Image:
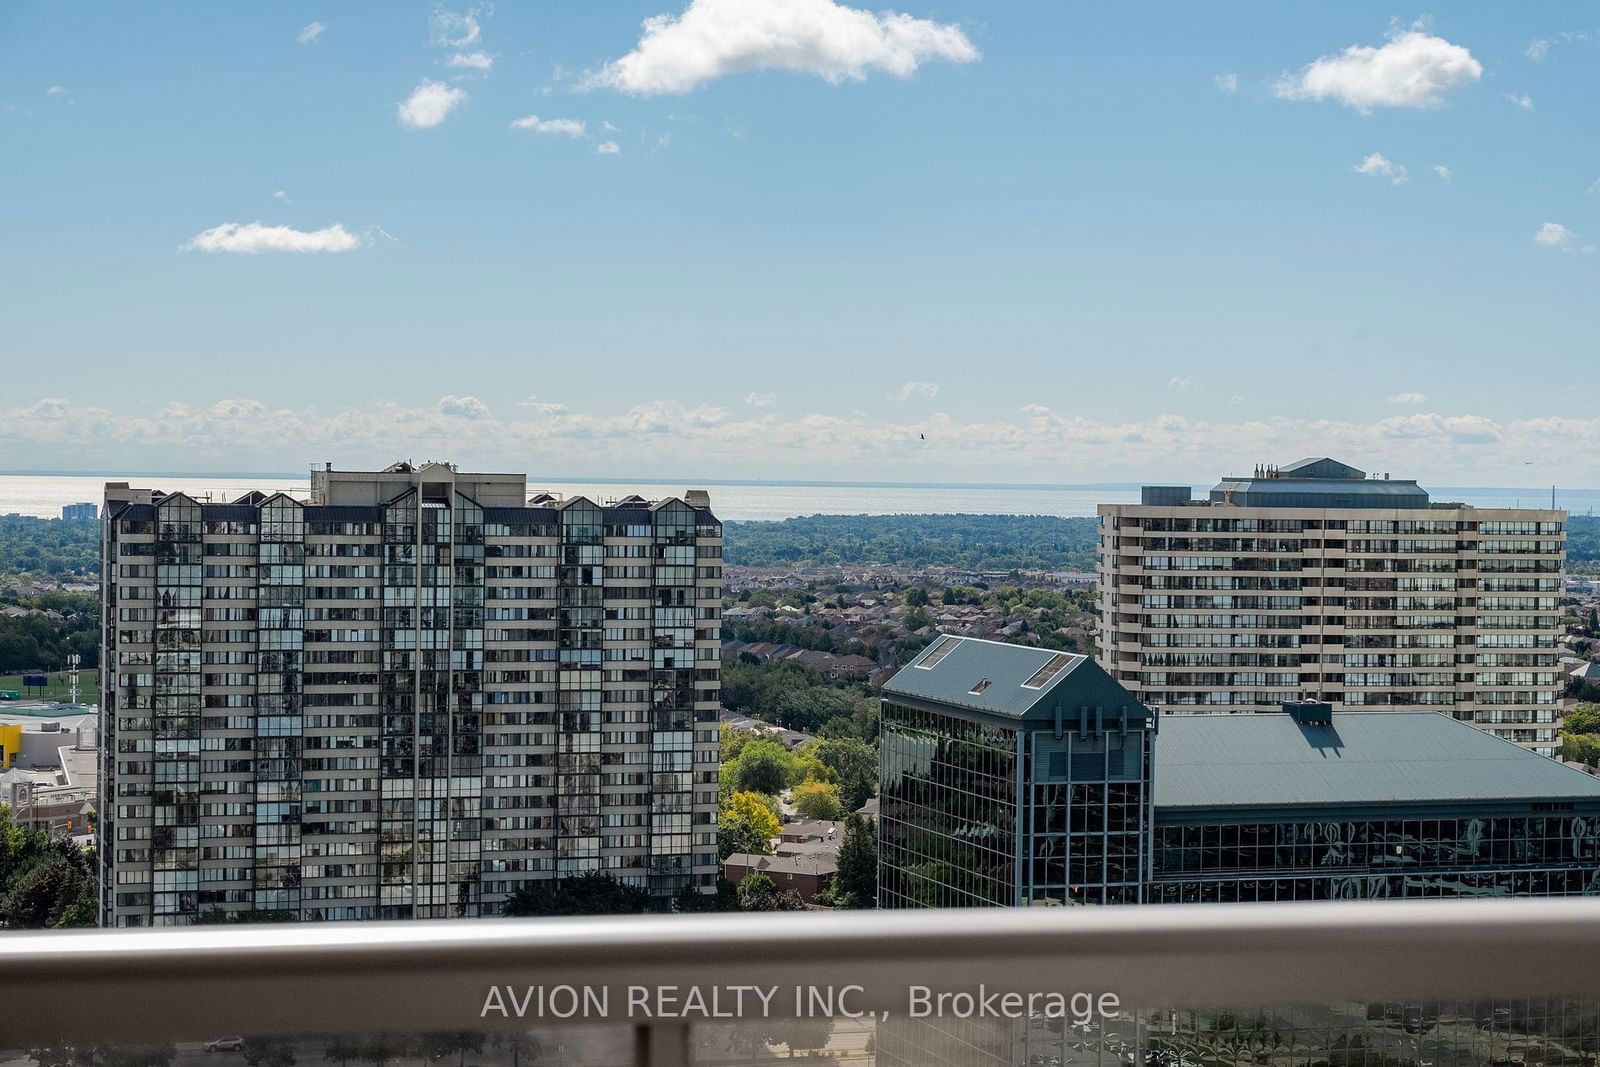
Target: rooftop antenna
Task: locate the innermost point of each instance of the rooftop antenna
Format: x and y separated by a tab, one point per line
72	674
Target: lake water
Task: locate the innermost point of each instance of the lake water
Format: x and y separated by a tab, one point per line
38	494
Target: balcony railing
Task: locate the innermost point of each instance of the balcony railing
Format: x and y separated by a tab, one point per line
1419	983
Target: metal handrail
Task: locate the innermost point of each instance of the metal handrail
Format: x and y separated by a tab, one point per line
339	977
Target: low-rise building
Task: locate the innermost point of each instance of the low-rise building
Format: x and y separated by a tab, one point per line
1014	776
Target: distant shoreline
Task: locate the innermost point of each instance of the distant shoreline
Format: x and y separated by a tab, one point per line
1438	492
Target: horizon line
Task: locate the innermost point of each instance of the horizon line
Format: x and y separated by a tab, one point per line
753	482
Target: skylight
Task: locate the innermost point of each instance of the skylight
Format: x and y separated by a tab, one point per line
1048	671
945	646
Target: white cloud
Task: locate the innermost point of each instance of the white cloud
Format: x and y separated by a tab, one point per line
1522	100
1377	166
1182	385
309	35
1412	69
1555	235
1594	187
761	400
608	148
56	90
472	61
1460	448
535	124
251	238
429	104
1227	83
281	195
462	407
1442	171
1409	399
715	38
610	128
542	407
450	29
919	390
1539	48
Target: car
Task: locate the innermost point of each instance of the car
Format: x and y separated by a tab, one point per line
225	1044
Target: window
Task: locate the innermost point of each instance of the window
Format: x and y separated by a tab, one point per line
1042	677
943	648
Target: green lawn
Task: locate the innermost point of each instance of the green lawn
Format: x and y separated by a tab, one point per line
88	687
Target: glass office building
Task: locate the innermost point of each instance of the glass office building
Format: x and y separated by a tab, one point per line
1018	776
1010	776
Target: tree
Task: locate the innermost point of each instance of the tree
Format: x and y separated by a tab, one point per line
917	597
1583	719
452	1043
746	823
803	1033
758	892
853	764
268	1052
817	800
732	741
44	883
342	1048
522	1046
763	767
690	901
594	893
159	1054
1581	748
855	885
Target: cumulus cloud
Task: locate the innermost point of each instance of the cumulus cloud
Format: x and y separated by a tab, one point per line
1442	171
663	438
1227	83
452	29
1182	385
312	31
1409	399
535	124
608	148
429	104
1522	100
1377	166
462	407
56	90
251	238
1537	49
1554	235
917	390
1412	69
472	61
715	38
761	400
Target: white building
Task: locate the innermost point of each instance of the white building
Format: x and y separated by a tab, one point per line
1315	580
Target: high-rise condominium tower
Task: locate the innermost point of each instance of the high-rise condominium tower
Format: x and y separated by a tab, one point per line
403	696
1315	580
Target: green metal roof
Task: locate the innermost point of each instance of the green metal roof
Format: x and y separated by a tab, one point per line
989	676
1364	758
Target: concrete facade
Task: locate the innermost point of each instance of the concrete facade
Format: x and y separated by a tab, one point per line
1309	582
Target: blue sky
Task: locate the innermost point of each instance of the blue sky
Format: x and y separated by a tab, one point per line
1000	241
